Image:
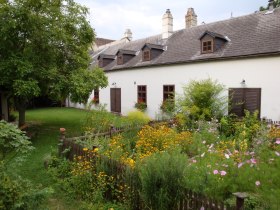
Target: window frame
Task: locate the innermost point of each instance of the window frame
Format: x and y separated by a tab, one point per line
120	59
142	94
145	57
96	96
207	50
167	93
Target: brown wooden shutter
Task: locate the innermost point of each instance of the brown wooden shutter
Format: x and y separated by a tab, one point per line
253	100
115	95
244	99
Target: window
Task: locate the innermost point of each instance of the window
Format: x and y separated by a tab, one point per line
142	94
168	92
96	97
120	60
242	99
207	46
100	63
146	55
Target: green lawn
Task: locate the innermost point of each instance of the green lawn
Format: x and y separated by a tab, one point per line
44	125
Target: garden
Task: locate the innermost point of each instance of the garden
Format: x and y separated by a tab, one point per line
134	163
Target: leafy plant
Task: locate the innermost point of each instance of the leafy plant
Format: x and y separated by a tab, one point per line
142	106
201	100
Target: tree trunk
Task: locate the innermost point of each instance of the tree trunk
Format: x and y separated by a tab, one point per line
21	115
21	105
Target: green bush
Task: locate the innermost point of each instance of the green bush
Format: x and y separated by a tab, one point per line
201	100
161	178
13	140
138	117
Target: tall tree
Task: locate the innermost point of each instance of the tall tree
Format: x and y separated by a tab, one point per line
276	3
44	50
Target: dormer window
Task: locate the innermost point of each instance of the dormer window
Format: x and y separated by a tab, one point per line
120	60
151	51
104	60
146	55
211	42
207	46
124	56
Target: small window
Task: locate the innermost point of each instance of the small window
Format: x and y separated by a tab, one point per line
207	46
146	55
100	63
168	92
142	94
96	97
120	60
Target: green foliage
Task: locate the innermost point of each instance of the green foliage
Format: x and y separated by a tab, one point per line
19	194
202	100
138	117
14	142
142	106
276	3
44	51
161	180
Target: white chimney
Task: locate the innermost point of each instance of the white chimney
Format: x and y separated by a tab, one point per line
191	18
167	24
128	34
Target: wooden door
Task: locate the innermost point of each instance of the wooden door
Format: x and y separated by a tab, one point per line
115	100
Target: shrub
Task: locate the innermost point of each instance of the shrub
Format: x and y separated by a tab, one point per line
14	140
201	100
142	106
138	117
161	180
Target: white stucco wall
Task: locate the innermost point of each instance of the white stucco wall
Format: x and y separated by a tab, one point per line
261	73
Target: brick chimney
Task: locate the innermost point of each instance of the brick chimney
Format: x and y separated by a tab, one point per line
128	34
191	18
167	24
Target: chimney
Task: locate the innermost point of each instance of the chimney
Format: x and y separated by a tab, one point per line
191	18
128	34
167	24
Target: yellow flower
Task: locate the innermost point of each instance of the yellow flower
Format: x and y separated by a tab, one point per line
95	150
85	149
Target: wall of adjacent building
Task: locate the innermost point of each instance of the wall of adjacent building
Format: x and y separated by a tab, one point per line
261	73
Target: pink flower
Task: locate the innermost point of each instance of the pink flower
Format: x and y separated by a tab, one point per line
62	129
258	183
223	173
253	160
194	161
277	141
227	156
215	172
239	165
277	153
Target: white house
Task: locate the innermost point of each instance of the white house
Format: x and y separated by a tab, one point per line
243	53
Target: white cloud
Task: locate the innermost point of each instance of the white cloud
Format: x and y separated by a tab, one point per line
111	18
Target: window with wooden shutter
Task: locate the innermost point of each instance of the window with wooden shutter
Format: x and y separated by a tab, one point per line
244	99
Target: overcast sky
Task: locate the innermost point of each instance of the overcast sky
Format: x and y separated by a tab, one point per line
110	18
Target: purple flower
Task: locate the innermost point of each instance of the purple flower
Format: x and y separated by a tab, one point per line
258	183
215	172
223	173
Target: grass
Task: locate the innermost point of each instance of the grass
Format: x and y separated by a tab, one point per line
44	125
